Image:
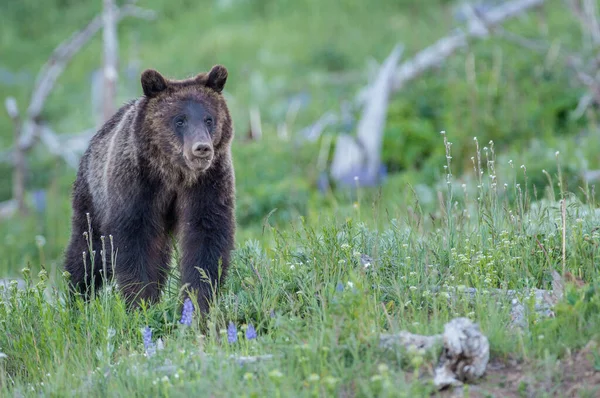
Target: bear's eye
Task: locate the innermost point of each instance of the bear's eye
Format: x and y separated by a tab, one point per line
208	121
179	121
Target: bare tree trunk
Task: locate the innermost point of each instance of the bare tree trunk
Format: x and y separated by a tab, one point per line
29	130
19	162
363	154
109	35
19	176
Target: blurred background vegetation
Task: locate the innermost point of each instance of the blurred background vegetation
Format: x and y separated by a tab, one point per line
312	54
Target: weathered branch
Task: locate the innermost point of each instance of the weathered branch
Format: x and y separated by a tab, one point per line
443	48
28	129
56	64
111	47
586	78
67	148
367	146
255	132
586	12
479	26
464	356
18	180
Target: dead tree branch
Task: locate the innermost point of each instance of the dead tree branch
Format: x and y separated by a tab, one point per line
464	355
585	68
476	28
56	64
111	49
586	12
28	127
367	146
19	171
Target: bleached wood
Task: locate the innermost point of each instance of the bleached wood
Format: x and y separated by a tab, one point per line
464	356
18	158
435	54
373	96
365	152
111	48
56	64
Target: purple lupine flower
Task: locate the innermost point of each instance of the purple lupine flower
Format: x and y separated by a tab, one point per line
339	287
231	333
272	314
250	332
186	314
147	336
39	200
148	344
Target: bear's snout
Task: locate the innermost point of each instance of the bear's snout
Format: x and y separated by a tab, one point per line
199	155
201	150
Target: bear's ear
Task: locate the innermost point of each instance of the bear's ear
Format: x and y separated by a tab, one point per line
216	78
153	83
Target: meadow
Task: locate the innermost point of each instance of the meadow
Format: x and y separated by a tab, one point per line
481	154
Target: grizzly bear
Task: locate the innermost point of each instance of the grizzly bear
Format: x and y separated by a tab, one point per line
161	166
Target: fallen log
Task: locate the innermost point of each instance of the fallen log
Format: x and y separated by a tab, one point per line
464	355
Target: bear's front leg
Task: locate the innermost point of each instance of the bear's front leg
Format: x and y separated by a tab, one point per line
143	249
207	237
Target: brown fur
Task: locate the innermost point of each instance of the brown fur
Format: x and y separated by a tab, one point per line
144	177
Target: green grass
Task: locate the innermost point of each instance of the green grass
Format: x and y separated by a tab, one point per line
318	309
297	274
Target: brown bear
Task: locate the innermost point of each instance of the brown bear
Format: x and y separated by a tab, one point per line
160	166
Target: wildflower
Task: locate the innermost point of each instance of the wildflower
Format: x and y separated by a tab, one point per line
382	368
148	344
376	378
40	241
339	287
231	333
275	374
186	313
147	336
330	381
250	332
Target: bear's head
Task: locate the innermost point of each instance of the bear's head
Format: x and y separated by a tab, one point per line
188	120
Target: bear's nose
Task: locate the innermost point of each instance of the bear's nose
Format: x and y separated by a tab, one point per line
201	149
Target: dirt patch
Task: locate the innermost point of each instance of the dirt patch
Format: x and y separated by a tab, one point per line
573	376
